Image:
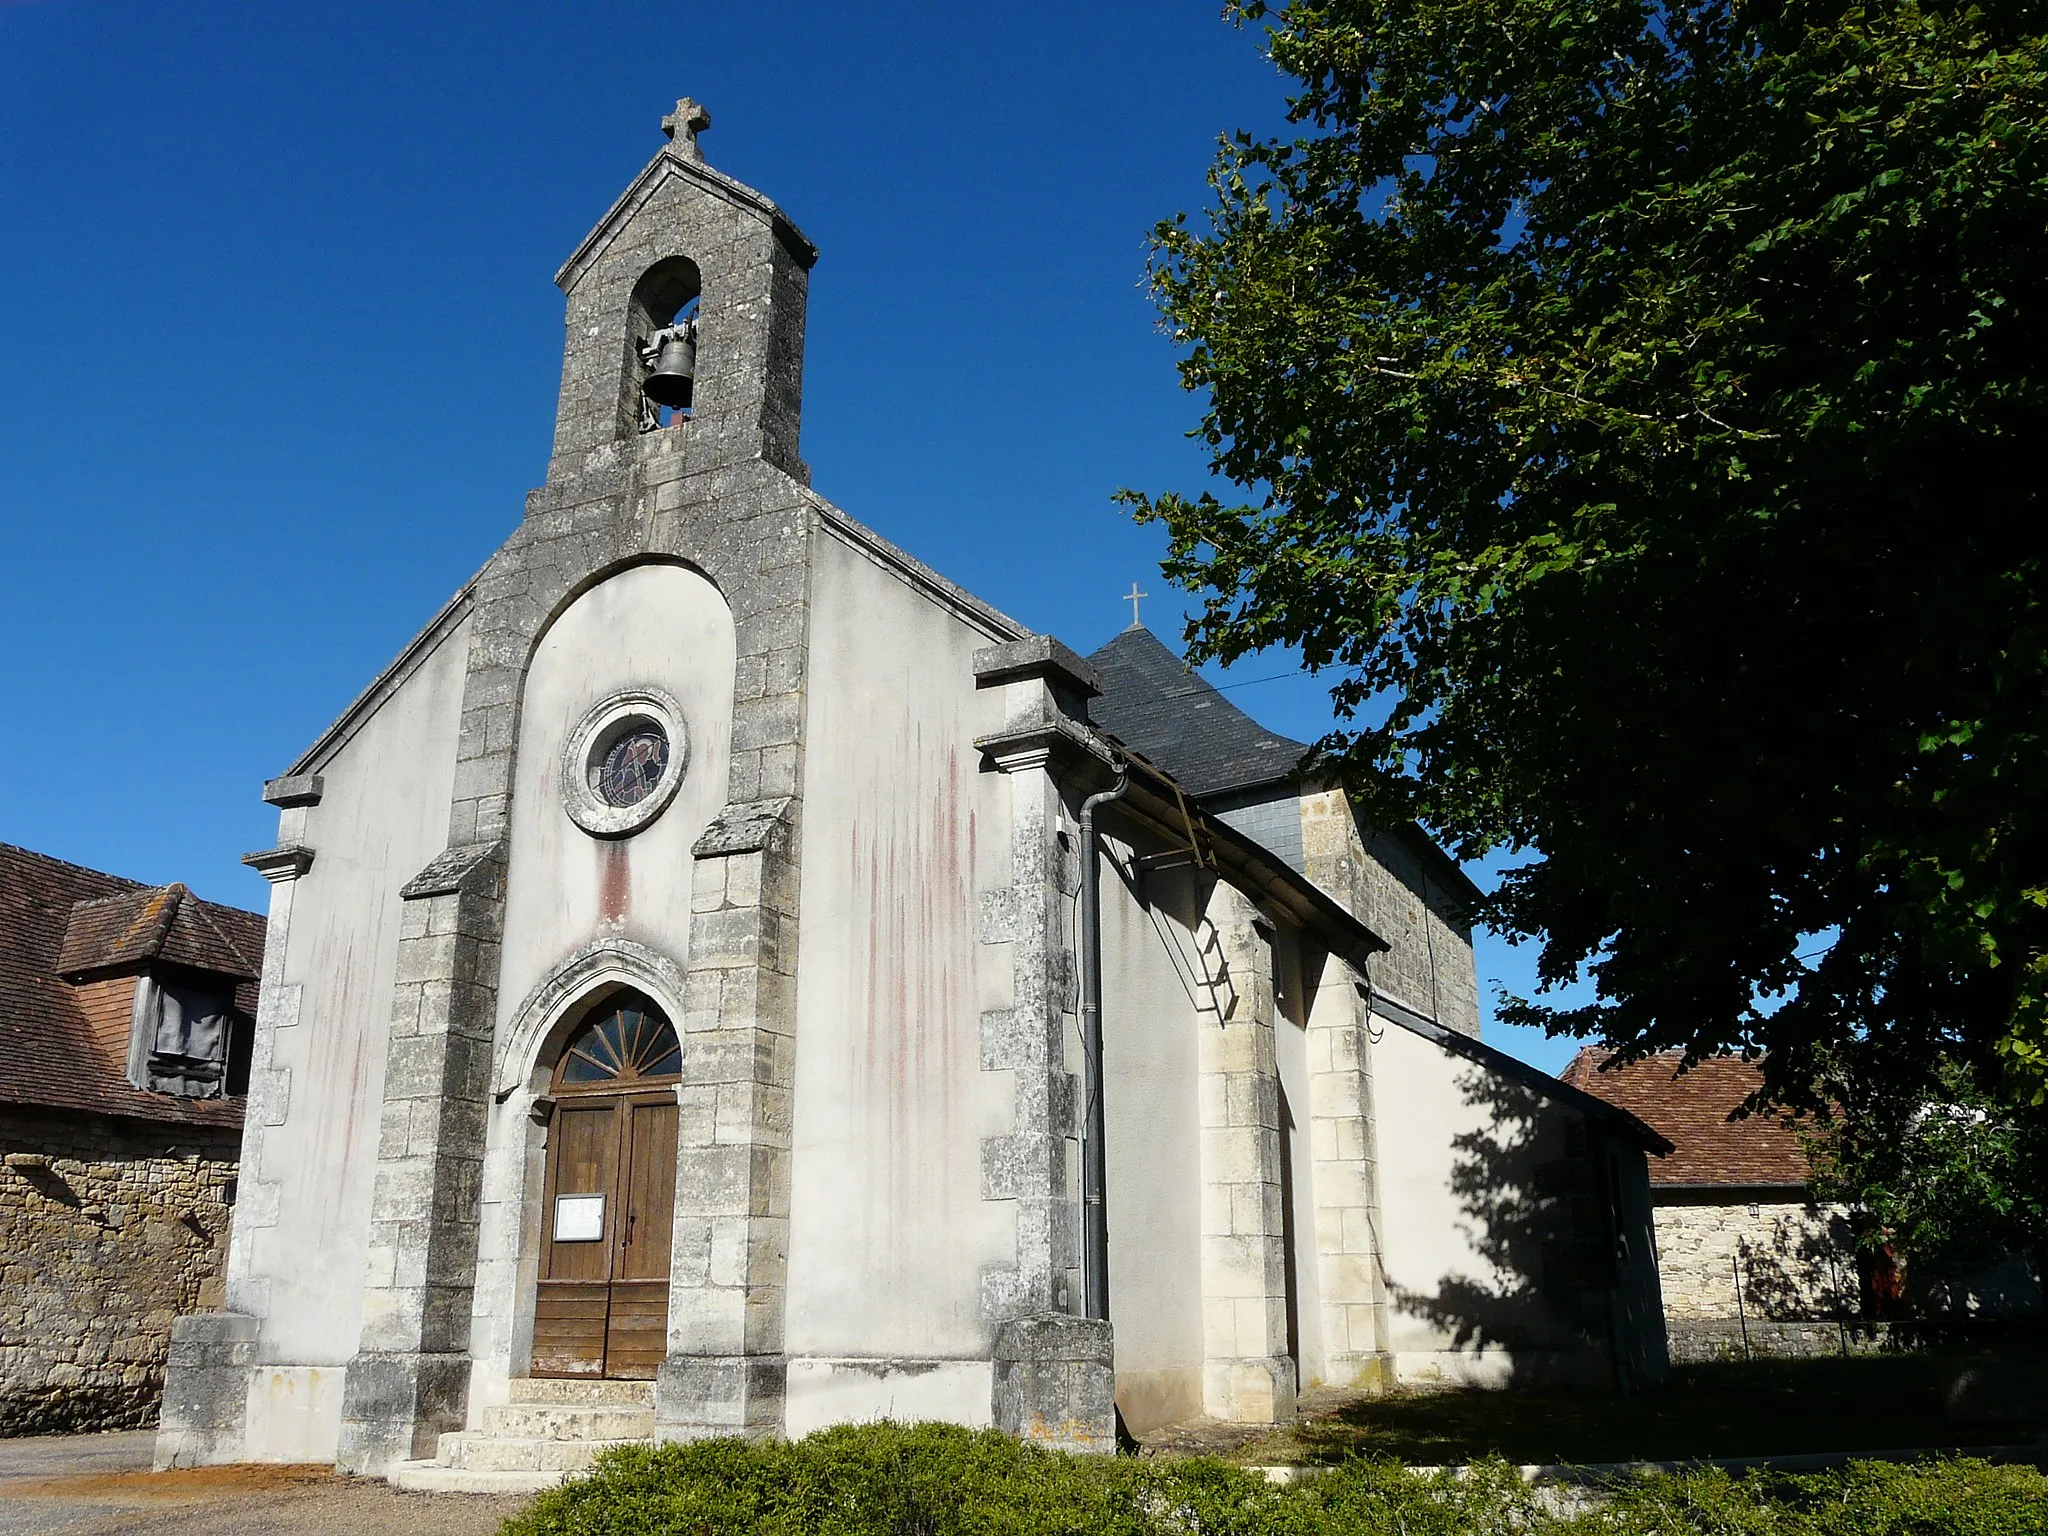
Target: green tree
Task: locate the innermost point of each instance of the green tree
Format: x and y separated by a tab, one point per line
1640	411
1952	1182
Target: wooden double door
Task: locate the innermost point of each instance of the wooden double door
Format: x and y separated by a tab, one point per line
602	1305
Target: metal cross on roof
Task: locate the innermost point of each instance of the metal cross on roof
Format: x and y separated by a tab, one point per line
1134	594
684	124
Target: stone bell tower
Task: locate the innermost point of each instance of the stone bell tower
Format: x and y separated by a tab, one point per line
683	235
717	488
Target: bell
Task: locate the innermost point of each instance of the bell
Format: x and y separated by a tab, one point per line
675	373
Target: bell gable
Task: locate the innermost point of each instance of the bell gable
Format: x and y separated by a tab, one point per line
685	243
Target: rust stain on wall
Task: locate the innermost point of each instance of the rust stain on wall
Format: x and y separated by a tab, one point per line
615	882
912	858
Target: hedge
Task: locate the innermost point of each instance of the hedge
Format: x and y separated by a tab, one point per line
940	1480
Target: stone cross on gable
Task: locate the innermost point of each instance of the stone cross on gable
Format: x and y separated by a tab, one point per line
684	124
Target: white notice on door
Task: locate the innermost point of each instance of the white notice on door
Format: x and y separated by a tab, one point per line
579	1218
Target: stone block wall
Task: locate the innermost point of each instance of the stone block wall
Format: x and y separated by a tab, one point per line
1345	1154
1386	882
1793	1259
409	1381
108	1230
1706	1341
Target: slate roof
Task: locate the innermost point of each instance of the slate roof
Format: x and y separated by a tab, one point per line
1157	706
1692	1109
58	919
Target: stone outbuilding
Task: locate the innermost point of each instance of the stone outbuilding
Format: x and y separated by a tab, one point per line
1748	1260
125	1020
686	969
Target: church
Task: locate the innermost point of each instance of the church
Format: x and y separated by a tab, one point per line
722	978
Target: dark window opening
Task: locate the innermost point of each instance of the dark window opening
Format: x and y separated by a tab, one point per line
663	336
629	1039
631	765
187	1039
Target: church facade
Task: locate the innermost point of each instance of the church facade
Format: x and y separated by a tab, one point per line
682	980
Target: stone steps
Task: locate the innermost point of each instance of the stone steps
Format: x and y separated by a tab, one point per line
582	1392
549	1429
471	1451
432	1477
547	1421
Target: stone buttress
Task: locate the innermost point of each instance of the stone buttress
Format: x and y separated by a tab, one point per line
1054	1372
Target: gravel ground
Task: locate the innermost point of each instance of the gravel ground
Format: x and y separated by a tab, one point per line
97	1485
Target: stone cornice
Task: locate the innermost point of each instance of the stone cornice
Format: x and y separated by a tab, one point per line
1053	741
278	865
294	789
387	682
753	827
450	871
906	567
1035	656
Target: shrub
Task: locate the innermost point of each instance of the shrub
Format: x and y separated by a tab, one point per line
939	1480
1865	1498
904	1480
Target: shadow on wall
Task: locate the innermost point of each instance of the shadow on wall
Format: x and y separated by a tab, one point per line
36	1172
1534	1208
1806	1270
1800	1270
2010	1288
1175	902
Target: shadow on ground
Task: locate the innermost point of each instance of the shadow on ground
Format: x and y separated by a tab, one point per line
1724	1409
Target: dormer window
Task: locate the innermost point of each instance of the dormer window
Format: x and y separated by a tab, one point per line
185	1036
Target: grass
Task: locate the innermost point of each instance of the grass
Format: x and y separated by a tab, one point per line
1732	1409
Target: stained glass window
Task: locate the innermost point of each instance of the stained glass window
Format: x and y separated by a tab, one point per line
629	1039
632	765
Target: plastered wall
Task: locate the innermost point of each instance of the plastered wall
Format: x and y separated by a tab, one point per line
657	625
1492	1223
310	1146
1298	1185
1154	1006
889	1235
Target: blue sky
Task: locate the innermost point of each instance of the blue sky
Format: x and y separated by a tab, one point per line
279	345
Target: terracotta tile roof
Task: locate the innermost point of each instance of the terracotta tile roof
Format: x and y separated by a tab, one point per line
165	923
1692	1110
59	920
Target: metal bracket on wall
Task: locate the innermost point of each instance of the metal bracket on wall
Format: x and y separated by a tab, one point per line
1192	856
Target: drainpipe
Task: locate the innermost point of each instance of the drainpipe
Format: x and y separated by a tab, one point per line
1094	1202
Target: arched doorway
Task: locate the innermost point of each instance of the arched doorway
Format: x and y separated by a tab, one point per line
602	1307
